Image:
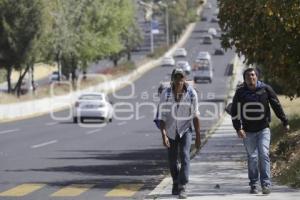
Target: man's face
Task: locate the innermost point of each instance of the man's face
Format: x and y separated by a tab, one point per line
179	81
251	78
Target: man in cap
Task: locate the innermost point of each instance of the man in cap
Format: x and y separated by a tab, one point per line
178	108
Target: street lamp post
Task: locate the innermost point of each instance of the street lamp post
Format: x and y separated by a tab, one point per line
166	21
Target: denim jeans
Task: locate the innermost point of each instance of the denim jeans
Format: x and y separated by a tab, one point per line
180	175
257	148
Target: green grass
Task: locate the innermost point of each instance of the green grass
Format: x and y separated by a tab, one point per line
158	52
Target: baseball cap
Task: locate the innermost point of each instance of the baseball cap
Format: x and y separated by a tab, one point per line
178	71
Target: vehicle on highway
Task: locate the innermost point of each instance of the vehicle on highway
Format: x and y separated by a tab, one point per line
213	32
202	68
94	105
216	11
204	55
184	65
203	18
180	52
167	61
219	51
208	5
207	39
214	19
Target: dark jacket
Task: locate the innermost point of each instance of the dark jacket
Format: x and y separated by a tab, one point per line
250	109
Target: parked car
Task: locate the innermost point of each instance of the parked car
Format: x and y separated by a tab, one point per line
180	52
207	39
213	32
92	106
167	61
54	77
184	65
219	51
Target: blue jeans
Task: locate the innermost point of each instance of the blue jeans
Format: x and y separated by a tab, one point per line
180	175
257	148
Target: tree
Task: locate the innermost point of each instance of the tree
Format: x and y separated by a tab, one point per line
21	32
267	32
86	31
130	35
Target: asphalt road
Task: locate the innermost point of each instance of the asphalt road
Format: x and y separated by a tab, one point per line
97	161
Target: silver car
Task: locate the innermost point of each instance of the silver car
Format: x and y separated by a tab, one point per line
184	65
167	61
92	106
203	70
180	52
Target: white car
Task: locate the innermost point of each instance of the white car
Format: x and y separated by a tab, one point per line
92	106
213	32
208	6
184	65
203	55
180	52
167	61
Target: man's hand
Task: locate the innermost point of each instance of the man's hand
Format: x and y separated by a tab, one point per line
198	142
286	128
166	141
241	133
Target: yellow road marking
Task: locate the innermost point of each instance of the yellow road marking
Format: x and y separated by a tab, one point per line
123	190
22	190
72	190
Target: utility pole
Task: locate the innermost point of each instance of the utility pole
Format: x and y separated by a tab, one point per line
166	20
148	17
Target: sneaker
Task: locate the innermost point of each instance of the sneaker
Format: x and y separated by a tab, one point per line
175	189
266	190
253	190
182	192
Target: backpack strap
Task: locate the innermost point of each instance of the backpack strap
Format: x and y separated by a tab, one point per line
168	93
189	91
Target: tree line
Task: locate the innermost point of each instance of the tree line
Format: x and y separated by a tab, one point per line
71	33
267	32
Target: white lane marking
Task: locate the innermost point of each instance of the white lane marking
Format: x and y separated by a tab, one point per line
43	144
9	131
142	117
122	123
93	131
51	123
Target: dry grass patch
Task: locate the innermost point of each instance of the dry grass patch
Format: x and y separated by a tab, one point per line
285	148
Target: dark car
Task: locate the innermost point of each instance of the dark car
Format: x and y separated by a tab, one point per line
219	51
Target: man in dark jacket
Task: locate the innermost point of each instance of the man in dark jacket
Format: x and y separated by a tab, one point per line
251	116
